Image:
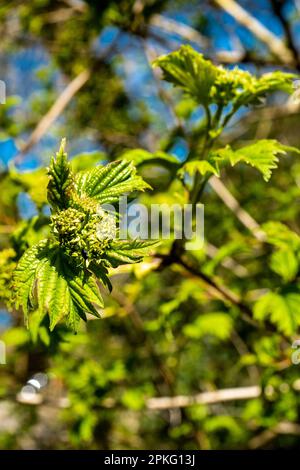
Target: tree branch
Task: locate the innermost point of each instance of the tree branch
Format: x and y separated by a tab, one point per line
277	6
54	112
205	398
174	27
274	44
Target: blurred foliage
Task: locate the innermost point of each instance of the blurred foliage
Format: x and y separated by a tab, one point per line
165	330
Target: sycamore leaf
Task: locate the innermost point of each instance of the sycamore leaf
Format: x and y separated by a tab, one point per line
105	184
218	324
128	251
285	263
141	157
61	181
44	282
262	155
202	166
188	70
282	308
59	277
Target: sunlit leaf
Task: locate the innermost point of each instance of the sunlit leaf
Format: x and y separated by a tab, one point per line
262	155
281	308
107	183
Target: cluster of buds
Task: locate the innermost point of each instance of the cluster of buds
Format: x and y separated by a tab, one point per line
230	83
84	236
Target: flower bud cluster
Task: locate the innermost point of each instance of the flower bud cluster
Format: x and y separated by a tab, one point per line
84	236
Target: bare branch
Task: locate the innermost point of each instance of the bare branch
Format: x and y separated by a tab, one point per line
54	112
274	44
205	398
174	27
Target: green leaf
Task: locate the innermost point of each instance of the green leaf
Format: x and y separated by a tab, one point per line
45	283
285	263
134	399
202	166
218	324
128	251
262	155
228	423
271	82
188	70
24	277
100	272
208	83
61	181
282	308
244	89
106	184
281	236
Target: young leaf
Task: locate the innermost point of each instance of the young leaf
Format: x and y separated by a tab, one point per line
243	89
273	81
127	251
283	309
58	275
23	280
61	181
44	282
141	157
208	83
262	155
188	70
202	166
106	184
285	263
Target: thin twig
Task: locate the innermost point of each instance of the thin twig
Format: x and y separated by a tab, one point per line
226	293
217	396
